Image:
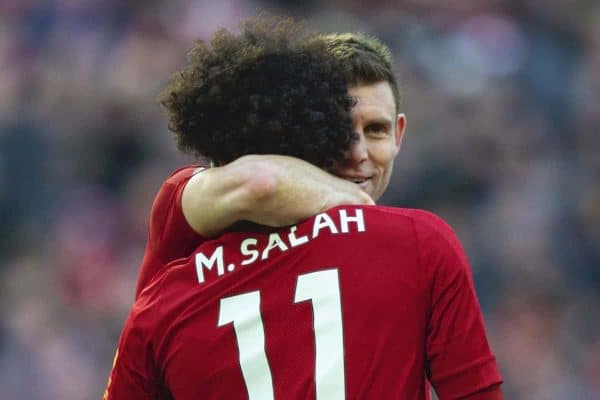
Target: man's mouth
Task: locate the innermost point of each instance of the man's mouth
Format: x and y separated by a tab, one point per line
360	181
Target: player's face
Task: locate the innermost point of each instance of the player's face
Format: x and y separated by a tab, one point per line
370	160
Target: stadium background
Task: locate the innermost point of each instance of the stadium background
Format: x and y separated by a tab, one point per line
503	104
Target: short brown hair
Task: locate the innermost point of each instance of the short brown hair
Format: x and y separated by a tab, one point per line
365	59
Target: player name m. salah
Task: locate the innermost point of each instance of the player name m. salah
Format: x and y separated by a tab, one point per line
253	248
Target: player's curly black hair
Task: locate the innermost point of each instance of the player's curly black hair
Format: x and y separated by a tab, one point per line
266	90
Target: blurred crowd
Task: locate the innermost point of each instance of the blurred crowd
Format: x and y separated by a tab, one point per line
503	141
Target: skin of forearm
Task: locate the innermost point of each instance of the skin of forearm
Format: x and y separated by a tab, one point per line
269	190
285	190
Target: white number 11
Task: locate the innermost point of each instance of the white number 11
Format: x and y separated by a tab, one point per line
323	288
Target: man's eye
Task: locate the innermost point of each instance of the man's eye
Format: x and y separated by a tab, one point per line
376	128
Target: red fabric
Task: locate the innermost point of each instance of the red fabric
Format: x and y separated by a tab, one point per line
408	309
492	393
170	237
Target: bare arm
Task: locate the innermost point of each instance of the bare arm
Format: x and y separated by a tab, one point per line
266	189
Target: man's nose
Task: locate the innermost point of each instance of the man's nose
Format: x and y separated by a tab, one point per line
358	149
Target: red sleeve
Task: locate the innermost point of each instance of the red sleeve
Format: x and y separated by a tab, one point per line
459	359
167	219
492	393
170	237
132	376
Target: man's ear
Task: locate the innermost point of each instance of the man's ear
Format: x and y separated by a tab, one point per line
400	128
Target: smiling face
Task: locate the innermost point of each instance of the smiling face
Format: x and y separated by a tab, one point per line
370	159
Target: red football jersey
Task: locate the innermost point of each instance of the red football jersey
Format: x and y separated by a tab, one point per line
170	237
354	303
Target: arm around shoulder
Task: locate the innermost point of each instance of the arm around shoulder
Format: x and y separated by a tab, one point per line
266	189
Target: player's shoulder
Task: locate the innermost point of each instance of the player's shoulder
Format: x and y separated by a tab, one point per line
174	183
426	219
183	173
422	218
427	225
437	240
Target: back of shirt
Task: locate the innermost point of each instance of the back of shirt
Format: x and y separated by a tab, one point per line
339	307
